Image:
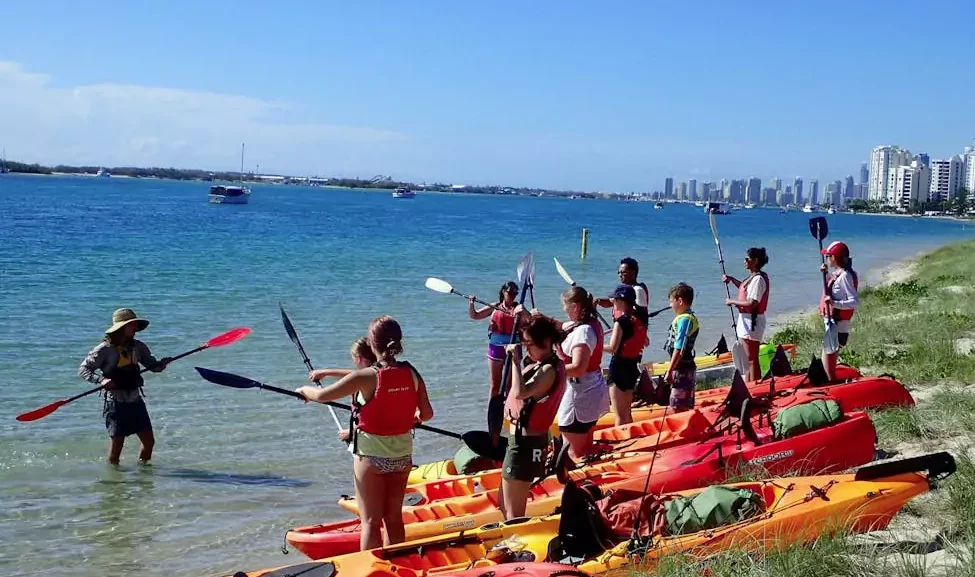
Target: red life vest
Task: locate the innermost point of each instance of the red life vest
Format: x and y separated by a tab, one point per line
762	306
392	409
838	314
632	348
501	322
537	414
596	357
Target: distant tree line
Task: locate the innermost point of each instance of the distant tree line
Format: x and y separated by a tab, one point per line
960	205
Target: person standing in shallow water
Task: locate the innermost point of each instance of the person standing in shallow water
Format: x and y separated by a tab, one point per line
500	330
390	399
114	364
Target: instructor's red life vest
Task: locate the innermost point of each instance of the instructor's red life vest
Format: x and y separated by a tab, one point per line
392	409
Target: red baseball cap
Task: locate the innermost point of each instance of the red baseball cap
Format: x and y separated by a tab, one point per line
837	249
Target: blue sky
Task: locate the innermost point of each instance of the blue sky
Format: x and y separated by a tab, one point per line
596	96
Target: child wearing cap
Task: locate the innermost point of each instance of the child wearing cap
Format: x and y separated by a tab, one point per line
114	364
626	345
841	297
682	372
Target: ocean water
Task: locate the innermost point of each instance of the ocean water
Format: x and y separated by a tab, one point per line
233	470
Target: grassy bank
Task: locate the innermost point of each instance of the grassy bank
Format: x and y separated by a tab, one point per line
922	331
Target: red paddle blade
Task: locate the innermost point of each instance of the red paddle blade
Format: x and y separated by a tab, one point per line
40	413
231	336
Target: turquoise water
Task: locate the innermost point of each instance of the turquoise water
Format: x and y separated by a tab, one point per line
234	469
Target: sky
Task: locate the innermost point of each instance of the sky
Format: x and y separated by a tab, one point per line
568	95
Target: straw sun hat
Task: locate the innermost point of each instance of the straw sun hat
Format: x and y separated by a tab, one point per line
122	317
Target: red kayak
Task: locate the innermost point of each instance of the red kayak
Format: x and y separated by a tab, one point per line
467	503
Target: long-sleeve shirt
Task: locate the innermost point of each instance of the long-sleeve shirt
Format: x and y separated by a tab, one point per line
105	357
843	290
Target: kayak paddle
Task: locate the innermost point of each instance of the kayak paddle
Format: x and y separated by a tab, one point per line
226	338
738	355
239	382
293	335
442	286
831	341
565	276
495	413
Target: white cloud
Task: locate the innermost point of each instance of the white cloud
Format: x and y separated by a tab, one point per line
118	124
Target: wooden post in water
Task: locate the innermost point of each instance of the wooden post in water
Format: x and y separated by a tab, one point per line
585	242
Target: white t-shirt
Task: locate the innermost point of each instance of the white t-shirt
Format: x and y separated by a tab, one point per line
641	296
746	329
586	398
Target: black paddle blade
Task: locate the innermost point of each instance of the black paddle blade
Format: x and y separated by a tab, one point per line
228	379
816	373
818	227
481	443
738	393
311	569
290	329
780	365
938	466
721	348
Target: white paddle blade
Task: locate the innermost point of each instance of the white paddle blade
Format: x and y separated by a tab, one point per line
441	286
714	227
739	357
831	338
526	268
564	273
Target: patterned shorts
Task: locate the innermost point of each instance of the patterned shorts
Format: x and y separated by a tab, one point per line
386	465
682	391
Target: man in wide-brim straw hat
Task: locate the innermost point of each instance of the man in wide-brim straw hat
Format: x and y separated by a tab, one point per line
114	364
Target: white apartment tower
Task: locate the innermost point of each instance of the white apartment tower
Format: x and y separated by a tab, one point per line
909	184
946	178
883	162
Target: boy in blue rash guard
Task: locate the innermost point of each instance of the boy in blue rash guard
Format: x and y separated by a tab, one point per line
682	372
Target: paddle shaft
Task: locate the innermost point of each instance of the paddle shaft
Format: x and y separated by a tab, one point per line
825	281
293	335
727	289
176	358
480	302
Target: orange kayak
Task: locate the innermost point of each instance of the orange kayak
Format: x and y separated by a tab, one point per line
586	533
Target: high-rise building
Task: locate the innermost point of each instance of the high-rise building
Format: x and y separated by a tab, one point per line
669	187
864	174
723	185
692	188
797	189
883	160
753	193
705	191
924	159
848	188
813	197
682	191
736	190
969	169
769	196
910	184
776	183
946	178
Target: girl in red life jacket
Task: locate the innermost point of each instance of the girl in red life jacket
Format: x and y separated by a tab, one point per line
751	302
532	402
626	344
586	395
362	357
499	329
841	298
391	398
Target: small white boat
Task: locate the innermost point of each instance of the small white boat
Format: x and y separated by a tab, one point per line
831	210
750	205
403	192
701	204
220	194
808	208
658	206
102	173
229	194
